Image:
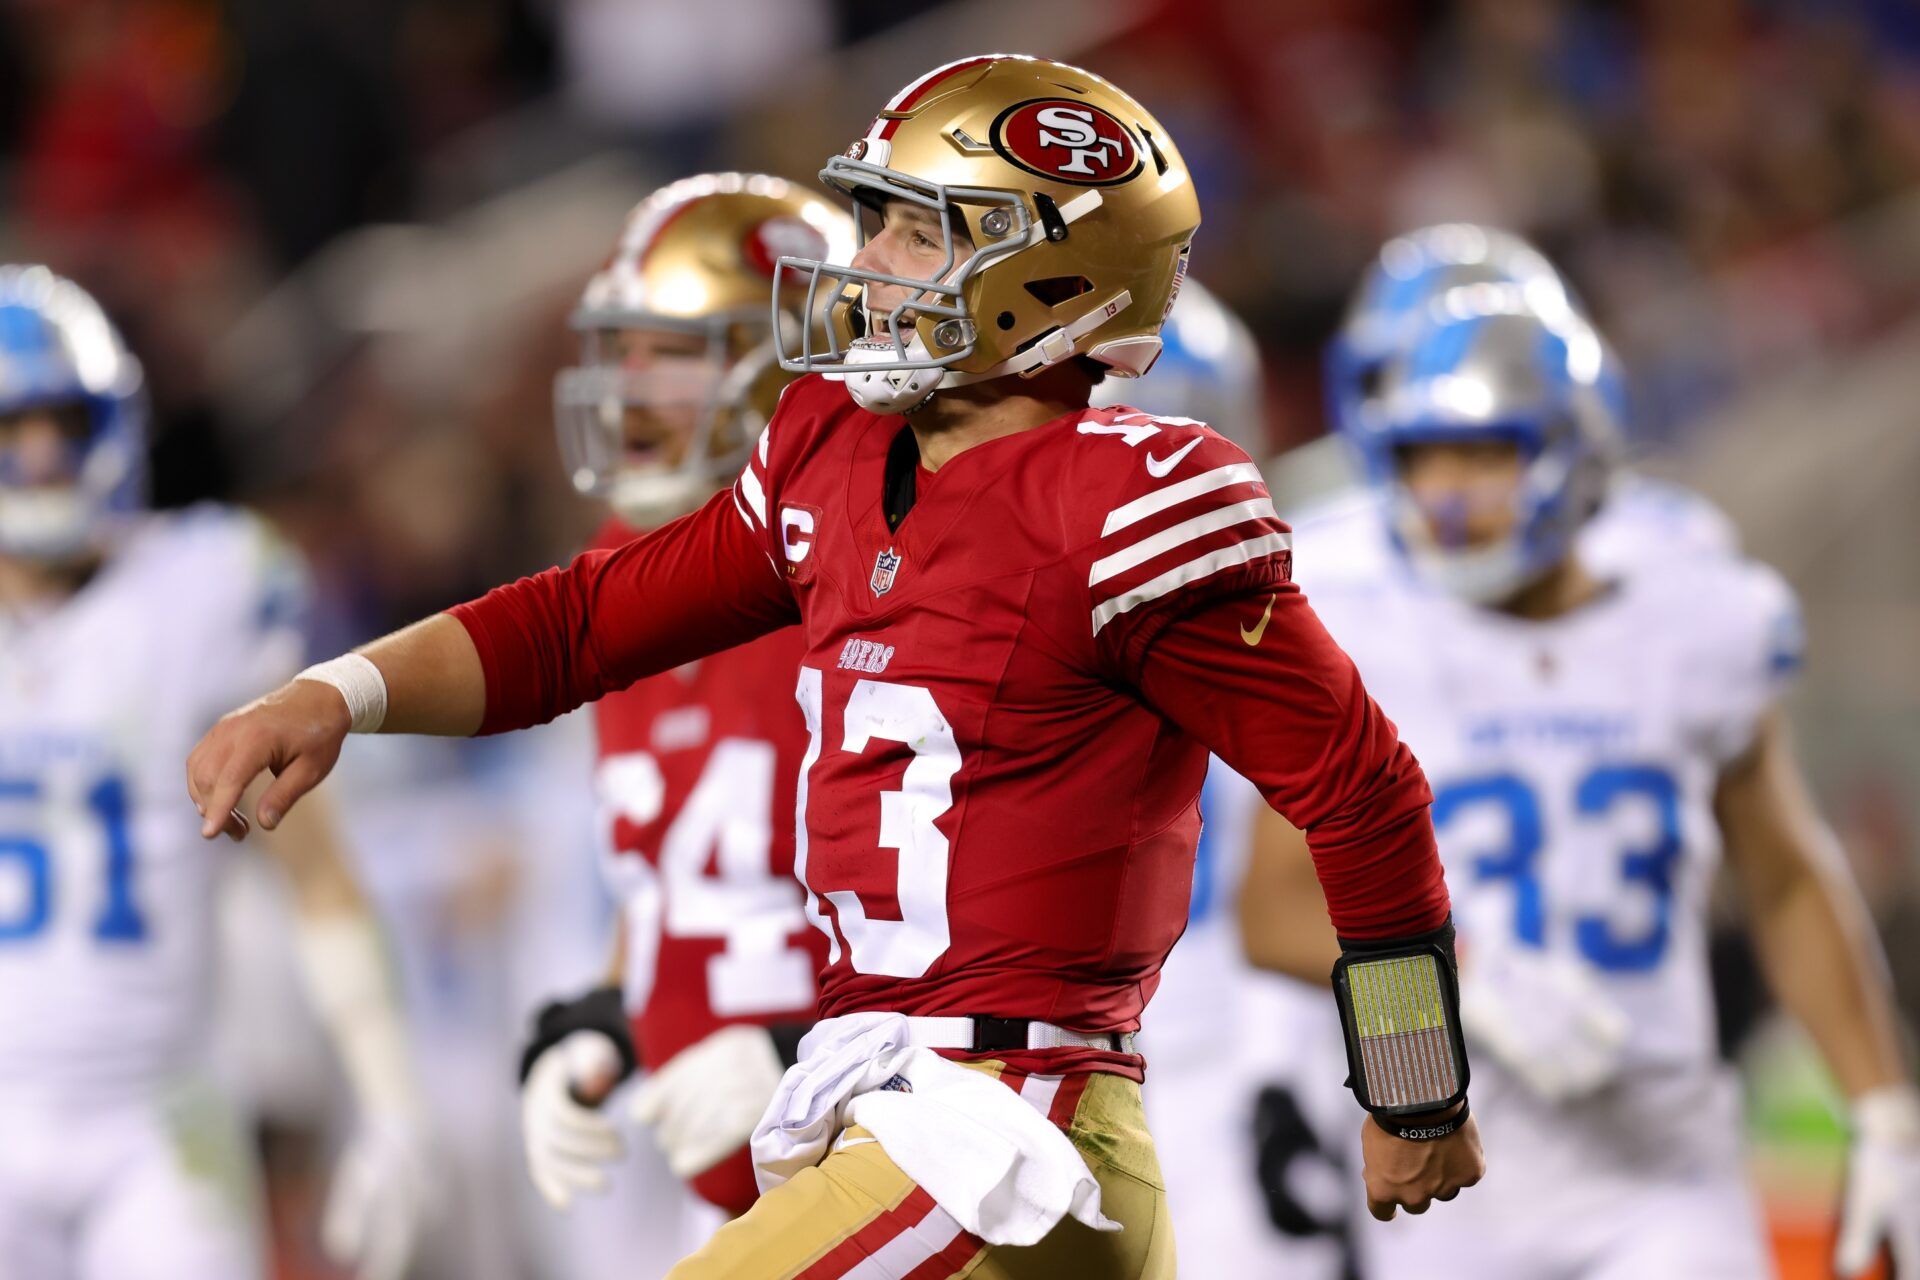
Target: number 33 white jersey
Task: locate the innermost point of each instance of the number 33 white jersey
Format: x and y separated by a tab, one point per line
106	889
1574	763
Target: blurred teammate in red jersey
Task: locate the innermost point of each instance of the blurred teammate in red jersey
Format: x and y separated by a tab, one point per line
717	963
1026	622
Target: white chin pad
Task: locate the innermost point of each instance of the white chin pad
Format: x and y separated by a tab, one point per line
889	390
1486	576
45	524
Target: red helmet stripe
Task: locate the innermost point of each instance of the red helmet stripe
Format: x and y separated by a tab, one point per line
907	97
651	241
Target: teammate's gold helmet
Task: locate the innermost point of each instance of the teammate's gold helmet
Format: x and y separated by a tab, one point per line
1079	208
678	371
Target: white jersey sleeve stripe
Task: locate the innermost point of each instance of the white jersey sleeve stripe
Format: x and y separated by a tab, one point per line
745	515
756	496
1160	499
1186	531
1192	571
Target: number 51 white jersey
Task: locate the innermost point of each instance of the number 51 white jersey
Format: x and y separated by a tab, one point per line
106	888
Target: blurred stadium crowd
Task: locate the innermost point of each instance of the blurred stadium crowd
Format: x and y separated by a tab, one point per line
308	212
345	234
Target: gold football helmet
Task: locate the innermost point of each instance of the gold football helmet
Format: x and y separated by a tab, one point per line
677	370
1077	205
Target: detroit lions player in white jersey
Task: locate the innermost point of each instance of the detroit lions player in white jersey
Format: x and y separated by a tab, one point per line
123	634
1597	736
1253	1125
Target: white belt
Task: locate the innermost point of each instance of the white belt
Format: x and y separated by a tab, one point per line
1002	1035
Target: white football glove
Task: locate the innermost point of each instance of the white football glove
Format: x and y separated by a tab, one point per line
569	1143
1881	1203
703	1105
1542	1016
381	1197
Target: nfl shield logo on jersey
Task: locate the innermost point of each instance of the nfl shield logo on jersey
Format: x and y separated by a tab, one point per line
885	566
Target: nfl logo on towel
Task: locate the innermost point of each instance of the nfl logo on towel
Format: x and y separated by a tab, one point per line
885	566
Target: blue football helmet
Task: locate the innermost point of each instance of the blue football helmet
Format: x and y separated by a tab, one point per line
1481	364
1209	369
1409	272
58	351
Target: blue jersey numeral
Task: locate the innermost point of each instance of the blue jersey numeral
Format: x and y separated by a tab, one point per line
120	918
30	856
1519	861
1597	795
1599	792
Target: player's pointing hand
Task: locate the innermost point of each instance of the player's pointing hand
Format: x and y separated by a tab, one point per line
430	671
294	733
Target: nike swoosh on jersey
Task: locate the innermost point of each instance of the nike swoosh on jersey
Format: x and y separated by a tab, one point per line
1252	635
1159	467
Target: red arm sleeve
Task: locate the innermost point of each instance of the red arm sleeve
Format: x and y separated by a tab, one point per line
564	637
1287	710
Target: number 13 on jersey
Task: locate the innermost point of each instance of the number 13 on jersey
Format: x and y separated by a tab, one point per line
906	822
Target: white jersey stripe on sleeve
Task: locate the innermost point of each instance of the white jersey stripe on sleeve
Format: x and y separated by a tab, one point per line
1191	571
1186	531
745	515
1160	499
756	496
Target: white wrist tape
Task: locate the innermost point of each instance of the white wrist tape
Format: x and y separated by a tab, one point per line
360	683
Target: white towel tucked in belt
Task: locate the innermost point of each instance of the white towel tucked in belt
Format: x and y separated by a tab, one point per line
1000	1168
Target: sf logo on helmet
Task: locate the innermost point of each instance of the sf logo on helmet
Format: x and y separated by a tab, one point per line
1067	141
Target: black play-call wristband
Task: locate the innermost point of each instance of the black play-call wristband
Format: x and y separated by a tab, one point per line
1428	1131
601	1009
1399	1002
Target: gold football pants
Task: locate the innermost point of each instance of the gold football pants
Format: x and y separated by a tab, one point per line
856	1216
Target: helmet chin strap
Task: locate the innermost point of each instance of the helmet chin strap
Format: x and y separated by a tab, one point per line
46	524
1485	576
885	391
904	390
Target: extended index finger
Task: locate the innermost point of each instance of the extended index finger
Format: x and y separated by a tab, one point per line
221	801
203	766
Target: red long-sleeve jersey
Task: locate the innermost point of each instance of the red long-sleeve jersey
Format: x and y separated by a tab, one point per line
1010	698
695	783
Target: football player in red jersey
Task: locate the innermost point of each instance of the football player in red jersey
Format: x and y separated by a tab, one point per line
696	770
1026	621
